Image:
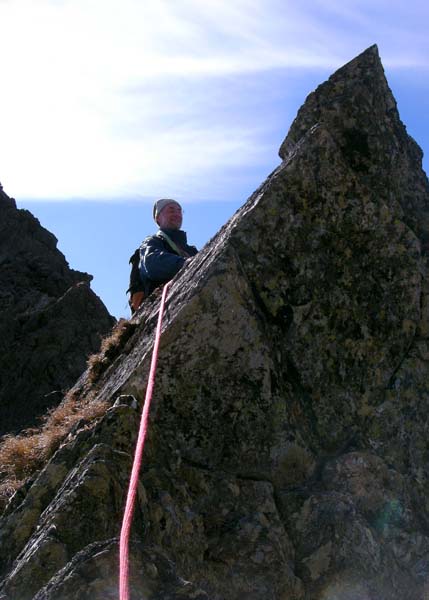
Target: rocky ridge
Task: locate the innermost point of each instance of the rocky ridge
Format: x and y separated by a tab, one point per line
50	319
287	452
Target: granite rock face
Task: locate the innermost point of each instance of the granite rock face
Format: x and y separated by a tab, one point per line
50	319
287	455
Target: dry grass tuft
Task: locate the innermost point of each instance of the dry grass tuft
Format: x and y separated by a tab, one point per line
23	454
111	347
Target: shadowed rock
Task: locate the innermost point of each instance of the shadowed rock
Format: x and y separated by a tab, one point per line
50	319
287	451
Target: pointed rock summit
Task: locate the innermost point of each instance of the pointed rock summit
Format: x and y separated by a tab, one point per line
287	451
50	319
355	108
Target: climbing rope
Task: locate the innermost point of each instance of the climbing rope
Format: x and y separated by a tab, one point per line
124	592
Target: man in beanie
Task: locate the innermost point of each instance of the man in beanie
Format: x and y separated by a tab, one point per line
162	255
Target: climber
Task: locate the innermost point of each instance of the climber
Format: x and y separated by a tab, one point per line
161	255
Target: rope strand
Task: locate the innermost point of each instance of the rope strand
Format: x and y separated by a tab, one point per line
124	592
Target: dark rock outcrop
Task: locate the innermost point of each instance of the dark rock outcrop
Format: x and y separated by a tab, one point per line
287	451
50	319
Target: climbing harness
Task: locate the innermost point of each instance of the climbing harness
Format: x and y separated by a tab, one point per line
124	592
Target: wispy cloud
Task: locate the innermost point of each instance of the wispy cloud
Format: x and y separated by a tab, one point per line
114	98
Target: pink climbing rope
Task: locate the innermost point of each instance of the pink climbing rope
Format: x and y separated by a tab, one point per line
124	592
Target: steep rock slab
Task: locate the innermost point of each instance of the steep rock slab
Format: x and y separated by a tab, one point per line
50	319
287	455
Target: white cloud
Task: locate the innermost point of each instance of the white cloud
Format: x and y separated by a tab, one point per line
70	125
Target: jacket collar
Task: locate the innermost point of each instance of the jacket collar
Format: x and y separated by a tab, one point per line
177	235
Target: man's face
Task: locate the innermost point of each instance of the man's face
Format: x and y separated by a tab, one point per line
170	217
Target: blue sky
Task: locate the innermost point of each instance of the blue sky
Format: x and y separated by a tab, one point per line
107	105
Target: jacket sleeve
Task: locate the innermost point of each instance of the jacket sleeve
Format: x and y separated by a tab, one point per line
156	262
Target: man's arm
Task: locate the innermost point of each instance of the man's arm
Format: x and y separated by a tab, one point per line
192	250
156	262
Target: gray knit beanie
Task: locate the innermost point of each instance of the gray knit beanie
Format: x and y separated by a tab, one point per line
160	204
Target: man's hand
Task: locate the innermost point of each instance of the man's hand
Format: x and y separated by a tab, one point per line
136	300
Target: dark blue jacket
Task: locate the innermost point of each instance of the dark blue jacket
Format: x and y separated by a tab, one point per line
158	261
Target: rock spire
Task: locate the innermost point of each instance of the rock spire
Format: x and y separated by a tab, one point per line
50	319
